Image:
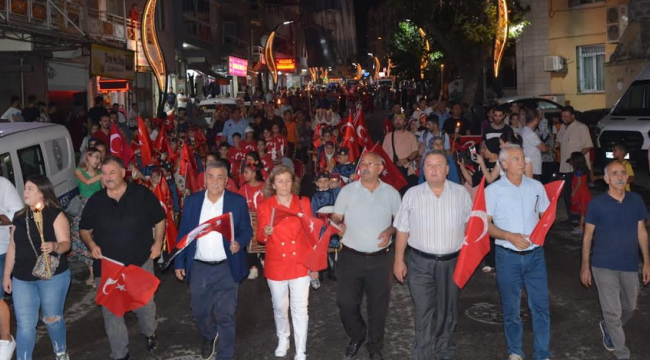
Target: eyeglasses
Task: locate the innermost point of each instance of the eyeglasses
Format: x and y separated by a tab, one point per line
364	164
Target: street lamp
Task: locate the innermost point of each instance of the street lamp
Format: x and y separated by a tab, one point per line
268	52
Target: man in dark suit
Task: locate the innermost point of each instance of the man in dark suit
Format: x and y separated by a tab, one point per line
213	265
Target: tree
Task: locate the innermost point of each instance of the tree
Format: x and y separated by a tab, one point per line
463	30
406	49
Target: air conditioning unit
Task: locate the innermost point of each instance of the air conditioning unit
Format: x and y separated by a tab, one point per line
616	22
553	63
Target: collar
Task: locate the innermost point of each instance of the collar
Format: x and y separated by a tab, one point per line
205	198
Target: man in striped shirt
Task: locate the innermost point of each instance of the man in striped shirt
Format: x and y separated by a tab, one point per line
431	221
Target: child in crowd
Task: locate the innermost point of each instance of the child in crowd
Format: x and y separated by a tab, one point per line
345	168
580	195
322	204
620	152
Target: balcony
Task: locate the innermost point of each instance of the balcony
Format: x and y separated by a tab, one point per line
70	17
44	16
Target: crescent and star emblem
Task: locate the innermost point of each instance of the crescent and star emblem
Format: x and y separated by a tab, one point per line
118	286
483	216
114	148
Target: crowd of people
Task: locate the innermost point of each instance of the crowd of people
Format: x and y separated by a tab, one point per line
250	160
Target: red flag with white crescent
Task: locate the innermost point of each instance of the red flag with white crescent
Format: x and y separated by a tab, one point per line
317	258
162	192
553	191
124	288
350	139
361	130
477	240
118	146
144	143
391	175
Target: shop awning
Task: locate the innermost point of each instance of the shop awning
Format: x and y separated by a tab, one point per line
206	69
64	76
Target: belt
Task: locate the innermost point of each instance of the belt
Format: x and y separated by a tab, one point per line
522	253
211	263
376	253
443	257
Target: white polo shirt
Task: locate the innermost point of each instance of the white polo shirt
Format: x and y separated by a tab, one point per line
210	246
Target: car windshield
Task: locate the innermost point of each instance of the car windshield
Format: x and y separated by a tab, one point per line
635	101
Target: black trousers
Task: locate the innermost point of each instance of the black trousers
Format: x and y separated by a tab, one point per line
372	276
566	192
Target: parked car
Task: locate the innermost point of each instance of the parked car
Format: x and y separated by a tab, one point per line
549	107
629	122
208	106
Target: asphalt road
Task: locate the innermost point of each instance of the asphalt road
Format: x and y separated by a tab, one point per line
574	320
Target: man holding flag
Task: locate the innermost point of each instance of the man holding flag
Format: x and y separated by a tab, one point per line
116	223
431	221
215	263
515	204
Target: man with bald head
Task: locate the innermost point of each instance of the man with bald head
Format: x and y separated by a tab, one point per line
368	207
615	221
515	204
431	223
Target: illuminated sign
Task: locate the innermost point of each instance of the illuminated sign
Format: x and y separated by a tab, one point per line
237	66
110	85
285	64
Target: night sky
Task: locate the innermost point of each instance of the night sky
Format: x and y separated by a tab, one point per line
361	8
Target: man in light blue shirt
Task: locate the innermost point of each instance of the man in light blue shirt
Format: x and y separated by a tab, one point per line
234	125
515	204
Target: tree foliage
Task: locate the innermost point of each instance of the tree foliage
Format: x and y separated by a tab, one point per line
464	30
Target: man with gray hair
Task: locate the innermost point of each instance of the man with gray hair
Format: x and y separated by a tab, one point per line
515	204
431	221
616	222
365	259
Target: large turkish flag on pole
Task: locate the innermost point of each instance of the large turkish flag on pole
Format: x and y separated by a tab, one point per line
144	143
477	240
118	146
350	139
553	191
124	288
391	175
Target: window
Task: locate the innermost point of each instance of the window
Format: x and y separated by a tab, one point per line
635	101
31	161
584	2
6	169
591	69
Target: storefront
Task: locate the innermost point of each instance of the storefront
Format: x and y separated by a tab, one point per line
112	73
238	69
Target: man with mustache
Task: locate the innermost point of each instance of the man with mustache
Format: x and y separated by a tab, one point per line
117	223
615	221
366	259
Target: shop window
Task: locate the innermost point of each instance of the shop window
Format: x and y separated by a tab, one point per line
31	161
591	68
6	168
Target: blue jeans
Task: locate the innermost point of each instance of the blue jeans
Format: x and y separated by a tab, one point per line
3	257
49	296
214	302
514	272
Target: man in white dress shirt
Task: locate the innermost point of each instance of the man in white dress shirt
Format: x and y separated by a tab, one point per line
431	221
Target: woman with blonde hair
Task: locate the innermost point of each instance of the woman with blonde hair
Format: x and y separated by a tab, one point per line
35	271
287	246
88	176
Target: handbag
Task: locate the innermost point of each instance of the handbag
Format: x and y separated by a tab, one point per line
40	269
75	206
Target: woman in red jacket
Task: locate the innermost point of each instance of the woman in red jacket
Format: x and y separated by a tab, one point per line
287	246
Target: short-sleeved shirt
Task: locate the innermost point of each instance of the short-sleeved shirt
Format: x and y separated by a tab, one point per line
515	208
531	151
572	138
616	236
366	214
491	132
436	225
629	170
405	144
87	191
123	230
230	127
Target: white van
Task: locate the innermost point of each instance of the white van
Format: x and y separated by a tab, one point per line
34	148
628	122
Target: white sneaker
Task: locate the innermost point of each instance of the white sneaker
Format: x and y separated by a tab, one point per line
7	348
515	357
63	356
283	347
300	357
253	273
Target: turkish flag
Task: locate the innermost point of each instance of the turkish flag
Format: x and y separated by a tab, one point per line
553	191
391	175
160	143
350	139
124	288
163	194
188	169
317	258
463	143
361	129
477	240
118	146
144	143
310	224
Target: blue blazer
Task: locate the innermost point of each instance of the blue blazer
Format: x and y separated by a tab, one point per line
233	203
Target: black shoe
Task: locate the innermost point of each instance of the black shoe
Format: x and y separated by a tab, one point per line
376	356
127	357
151	342
353	349
208	348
